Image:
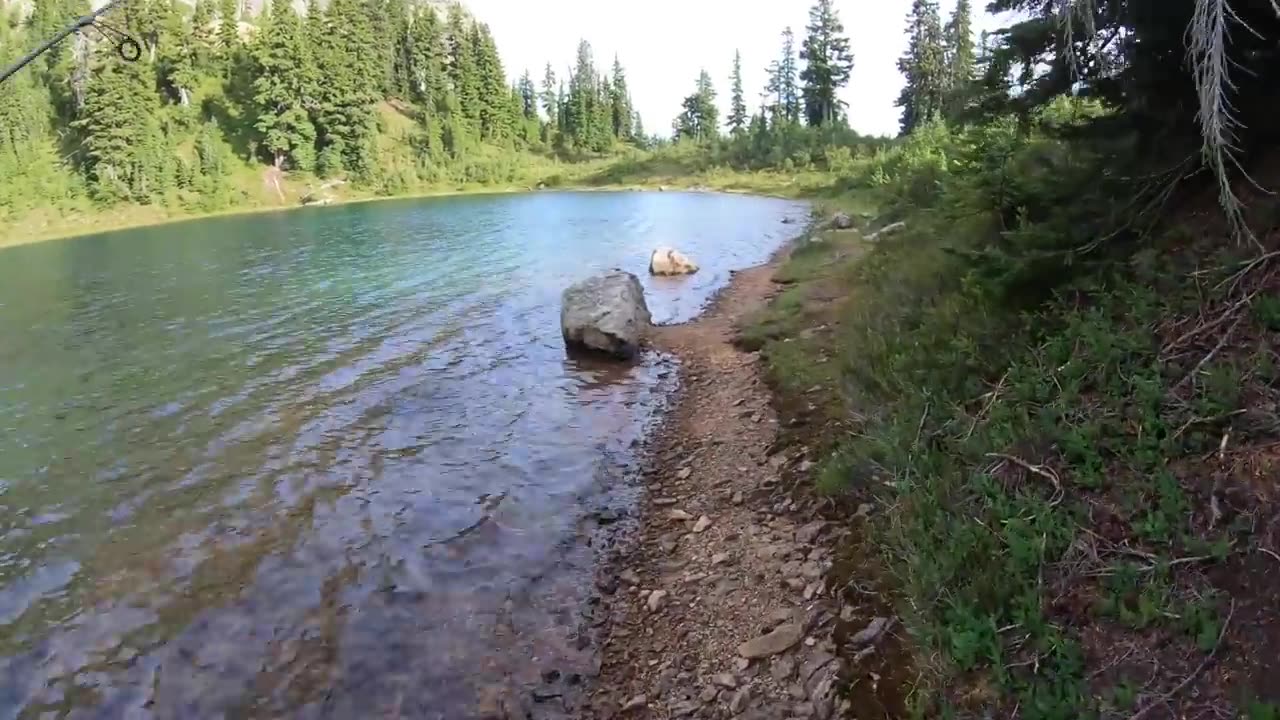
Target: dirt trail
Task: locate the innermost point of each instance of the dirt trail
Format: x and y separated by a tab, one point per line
723	568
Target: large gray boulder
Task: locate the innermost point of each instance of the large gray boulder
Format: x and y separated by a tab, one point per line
605	313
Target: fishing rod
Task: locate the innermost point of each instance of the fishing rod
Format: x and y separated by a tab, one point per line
126	47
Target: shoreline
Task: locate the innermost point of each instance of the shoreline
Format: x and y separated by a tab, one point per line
675	185
719	603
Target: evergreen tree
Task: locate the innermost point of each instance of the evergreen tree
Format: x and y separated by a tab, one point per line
492	93
528	96
462	65
737	103
550	97
283	66
960	57
620	103
700	119
829	63
120	130
228	28
580	113
179	57
202	28
923	65
788	92
344	115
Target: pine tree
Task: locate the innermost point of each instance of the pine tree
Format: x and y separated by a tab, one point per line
550	98
228	28
620	103
829	63
528	96
462	65
492	92
788	92
960	58
700	119
923	65
202	29
344	115
179	57
737	103
283	65
583	95
119	128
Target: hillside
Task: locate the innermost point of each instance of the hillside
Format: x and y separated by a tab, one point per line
212	119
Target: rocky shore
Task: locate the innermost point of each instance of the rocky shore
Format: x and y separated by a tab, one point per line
720	606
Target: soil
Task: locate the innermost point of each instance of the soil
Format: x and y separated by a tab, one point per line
720	605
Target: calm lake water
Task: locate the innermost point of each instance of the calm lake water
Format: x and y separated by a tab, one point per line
331	463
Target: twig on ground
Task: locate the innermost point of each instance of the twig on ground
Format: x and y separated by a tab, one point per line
920	428
1225	315
1270	552
1205	360
1194	673
1044	472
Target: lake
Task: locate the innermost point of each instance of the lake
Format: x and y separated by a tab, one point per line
328	463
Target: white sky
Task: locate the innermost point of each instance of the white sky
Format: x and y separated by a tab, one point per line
664	43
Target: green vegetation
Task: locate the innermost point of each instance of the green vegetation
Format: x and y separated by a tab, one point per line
225	113
1055	381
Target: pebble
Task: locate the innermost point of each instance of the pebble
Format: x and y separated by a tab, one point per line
684	473
720	558
780	639
678	515
703	523
737	498
810	532
739	701
629	577
708	695
782	669
656	600
664	501
725	680
636	703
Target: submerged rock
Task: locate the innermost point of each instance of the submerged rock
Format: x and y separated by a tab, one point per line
605	313
668	261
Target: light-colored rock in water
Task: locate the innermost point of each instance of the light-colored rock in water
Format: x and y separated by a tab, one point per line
669	261
781	639
605	313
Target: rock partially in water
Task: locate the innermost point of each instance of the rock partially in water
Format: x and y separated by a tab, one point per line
605	314
669	261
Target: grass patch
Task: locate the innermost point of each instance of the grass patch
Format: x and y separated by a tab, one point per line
1070	457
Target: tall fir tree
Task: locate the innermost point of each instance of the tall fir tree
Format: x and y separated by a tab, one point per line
787	73
493	96
344	114
960	58
700	119
923	67
463	75
828	64
228	28
550	96
737	103
283	68
620	103
528	96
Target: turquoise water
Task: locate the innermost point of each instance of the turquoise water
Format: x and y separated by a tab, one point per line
325	463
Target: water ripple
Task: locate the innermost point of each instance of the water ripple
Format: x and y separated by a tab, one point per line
281	465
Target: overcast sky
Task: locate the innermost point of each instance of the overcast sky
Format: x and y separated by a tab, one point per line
664	43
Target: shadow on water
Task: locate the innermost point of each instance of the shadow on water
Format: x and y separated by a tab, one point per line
326	465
